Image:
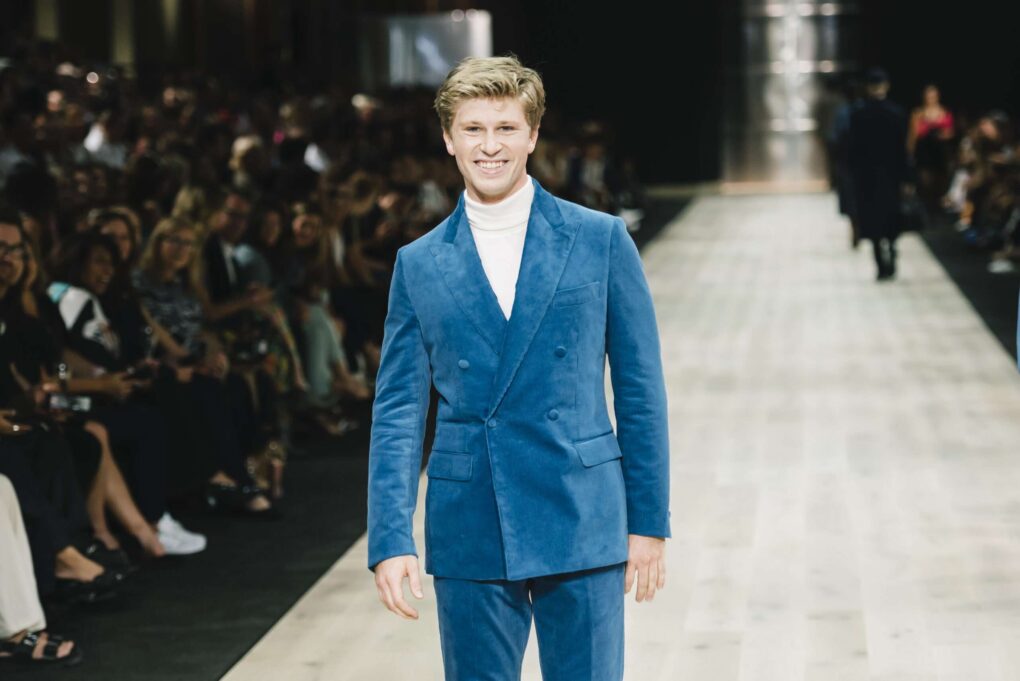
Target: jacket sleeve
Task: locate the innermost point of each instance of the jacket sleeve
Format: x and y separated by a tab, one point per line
402	390
639	390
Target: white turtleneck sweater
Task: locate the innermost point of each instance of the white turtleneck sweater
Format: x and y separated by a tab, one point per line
498	230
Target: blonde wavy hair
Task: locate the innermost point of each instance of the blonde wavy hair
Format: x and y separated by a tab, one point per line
491	78
151	263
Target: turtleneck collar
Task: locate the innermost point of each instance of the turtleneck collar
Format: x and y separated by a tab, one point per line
511	212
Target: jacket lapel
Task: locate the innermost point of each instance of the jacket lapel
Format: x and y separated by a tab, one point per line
547	244
458	260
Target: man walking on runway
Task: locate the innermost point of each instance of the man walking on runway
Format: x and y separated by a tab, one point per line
535	508
879	169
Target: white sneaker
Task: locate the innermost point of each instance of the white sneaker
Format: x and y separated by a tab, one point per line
1001	266
176	540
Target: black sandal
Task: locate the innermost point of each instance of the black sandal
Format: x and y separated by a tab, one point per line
24	650
113	559
234	499
73	591
249	492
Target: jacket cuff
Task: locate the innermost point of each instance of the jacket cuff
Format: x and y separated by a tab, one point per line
389	550
650	528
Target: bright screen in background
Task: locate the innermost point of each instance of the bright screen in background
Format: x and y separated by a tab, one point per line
421	49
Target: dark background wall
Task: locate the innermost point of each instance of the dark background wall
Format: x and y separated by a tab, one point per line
655	77
971	49
652	70
655	69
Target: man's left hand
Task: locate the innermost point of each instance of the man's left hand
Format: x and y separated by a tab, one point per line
646	560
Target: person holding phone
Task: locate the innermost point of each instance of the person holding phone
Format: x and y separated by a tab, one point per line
31	340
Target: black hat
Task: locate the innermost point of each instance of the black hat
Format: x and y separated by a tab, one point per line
875	76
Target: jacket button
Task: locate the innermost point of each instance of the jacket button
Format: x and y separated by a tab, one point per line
553	414
491	423
463	363
561	351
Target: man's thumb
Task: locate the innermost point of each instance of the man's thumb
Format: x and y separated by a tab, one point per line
415	581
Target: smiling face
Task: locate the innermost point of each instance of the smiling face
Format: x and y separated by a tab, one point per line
491	140
12	255
98	270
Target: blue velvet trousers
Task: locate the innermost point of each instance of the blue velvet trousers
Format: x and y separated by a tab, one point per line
484	625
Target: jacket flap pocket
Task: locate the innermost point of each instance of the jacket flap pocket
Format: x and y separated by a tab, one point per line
449	466
449	438
576	294
599	449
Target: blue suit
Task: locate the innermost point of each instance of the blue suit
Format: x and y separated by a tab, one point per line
526	476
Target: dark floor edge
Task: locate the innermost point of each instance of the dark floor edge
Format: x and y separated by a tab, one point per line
992	296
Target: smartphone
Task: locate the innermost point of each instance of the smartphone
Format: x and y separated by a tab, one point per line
64	402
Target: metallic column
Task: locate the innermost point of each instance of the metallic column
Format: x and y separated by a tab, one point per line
773	86
122	34
47	19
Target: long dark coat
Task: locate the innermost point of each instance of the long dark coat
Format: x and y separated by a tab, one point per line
878	164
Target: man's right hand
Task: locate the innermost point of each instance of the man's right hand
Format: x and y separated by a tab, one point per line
389	580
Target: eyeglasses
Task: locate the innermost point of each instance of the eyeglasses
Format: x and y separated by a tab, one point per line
14	251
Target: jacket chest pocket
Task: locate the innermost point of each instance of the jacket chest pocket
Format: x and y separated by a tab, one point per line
576	295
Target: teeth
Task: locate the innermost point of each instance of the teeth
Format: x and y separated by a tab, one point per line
491	165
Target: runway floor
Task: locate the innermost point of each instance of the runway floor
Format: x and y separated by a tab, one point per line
845	491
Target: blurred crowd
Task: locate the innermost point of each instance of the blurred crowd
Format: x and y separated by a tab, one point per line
193	282
966	170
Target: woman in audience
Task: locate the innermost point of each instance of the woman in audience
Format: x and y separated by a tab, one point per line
138	433
931	129
372	228
167	282
33	353
141	339
263	254
262	258
985	152
327	367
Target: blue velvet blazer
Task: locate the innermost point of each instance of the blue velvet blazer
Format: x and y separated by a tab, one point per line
526	476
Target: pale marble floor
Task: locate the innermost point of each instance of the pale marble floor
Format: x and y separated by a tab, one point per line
845	501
